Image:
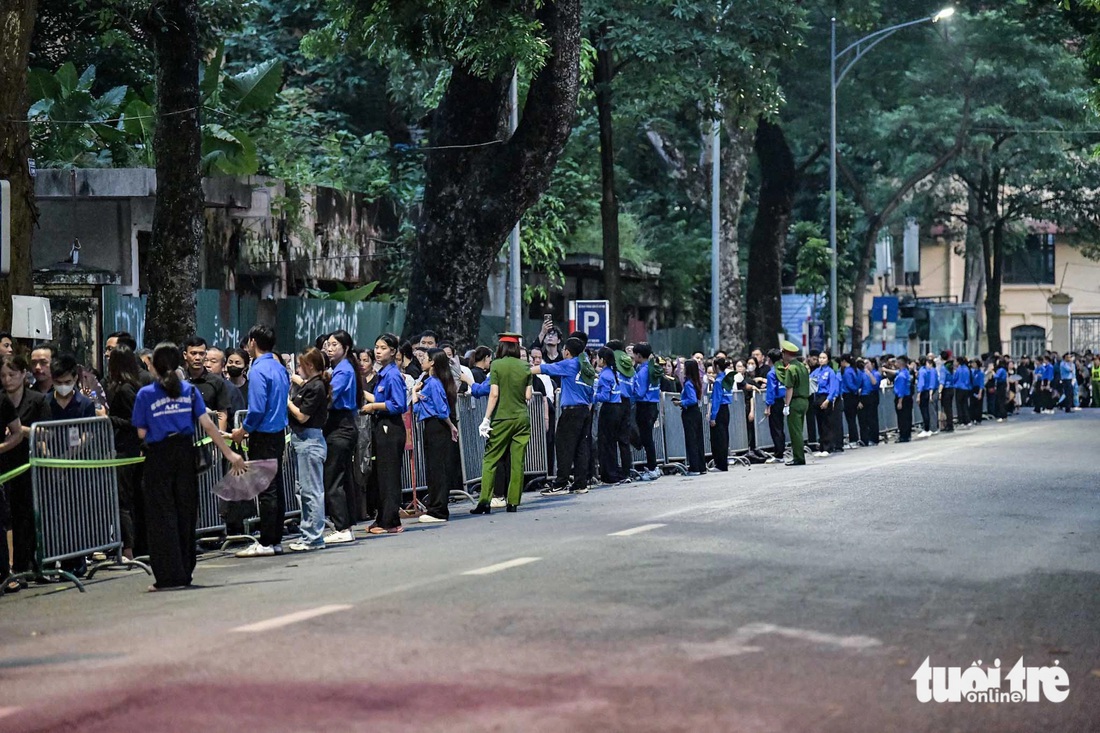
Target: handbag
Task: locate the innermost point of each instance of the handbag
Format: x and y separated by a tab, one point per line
364	448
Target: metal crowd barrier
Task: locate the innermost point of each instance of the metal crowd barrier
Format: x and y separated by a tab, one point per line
661	449
292	505
471	412
75	507
739	428
675	442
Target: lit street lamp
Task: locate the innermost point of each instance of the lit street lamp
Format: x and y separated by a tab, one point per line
858	50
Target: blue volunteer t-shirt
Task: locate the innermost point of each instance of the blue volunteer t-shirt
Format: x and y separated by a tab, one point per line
161	416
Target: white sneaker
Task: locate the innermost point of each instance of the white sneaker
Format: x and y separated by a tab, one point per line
581	490
429	519
257	550
1000	419
773	459
497	503
821	454
923	434
303	547
339	538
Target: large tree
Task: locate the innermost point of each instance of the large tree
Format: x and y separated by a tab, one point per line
171	269
16	29
479	178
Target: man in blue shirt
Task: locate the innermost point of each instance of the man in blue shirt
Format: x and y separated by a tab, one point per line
926	379
575	421
903	394
265	429
646	392
850	387
964	385
66	402
775	394
1067	370
720	401
977	391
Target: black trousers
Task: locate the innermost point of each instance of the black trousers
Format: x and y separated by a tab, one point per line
1001	400
836	413
645	413
622	438
851	413
262	446
824	419
720	439
866	415
130	498
693	438
341	437
876	421
947	399
776	420
171	509
572	447
437	440
389	451
926	410
962	402
905	418
23	538
976	407
607	442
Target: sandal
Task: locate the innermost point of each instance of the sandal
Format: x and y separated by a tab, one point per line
382	530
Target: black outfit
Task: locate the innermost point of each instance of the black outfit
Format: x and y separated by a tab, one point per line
776	421
926	410
172	509
947	399
867	414
33	407
311	398
645	413
1001	400
720	439
836	422
120	408
389	448
215	392
262	446
962	401
692	418
575	423
851	413
437	440
612	421
341	438
824	419
905	418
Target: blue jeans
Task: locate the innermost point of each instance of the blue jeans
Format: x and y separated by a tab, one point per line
310	451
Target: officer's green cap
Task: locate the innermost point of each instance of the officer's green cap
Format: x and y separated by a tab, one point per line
789	347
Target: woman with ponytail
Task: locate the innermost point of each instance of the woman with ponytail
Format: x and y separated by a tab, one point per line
388	409
165	413
612	415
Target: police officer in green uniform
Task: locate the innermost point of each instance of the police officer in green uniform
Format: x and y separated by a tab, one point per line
796	378
507	424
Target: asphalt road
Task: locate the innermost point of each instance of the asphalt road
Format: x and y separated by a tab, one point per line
766	599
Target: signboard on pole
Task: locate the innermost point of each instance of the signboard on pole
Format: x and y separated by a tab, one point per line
592	317
31	318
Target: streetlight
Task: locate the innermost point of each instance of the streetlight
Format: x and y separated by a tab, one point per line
858	49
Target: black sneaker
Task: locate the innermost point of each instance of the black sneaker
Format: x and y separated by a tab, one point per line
555	491
795	463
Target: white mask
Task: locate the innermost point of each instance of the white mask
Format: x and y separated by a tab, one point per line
64	390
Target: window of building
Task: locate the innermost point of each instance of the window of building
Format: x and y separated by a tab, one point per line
1032	263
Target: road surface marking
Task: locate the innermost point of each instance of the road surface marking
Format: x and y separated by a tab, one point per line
637	530
290	618
503	566
5	712
738	643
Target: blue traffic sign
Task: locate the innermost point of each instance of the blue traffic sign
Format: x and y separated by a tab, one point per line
592	317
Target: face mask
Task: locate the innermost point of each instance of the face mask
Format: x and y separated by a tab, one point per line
64	390
234	371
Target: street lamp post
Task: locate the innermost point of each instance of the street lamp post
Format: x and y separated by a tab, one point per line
858	50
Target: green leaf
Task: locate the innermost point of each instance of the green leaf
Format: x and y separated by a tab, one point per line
354	296
256	88
41	108
138	119
210	73
41	84
67	79
315	293
87	79
112	100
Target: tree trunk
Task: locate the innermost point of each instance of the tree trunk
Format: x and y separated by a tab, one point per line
609	201
172	266
473	196
859	285
767	244
735	169
974	271
16	28
993	288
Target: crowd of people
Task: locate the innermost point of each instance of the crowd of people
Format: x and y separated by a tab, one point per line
349	469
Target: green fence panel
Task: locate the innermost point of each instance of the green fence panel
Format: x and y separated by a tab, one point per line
122	312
